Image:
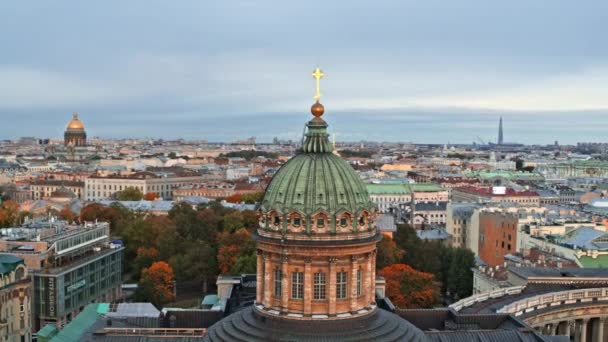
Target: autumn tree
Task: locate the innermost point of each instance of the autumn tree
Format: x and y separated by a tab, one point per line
129	194
9	213
67	214
144	258
408	288
196	261
233	246
156	284
236	198
388	253
150	196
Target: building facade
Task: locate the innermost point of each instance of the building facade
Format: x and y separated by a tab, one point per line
497	236
70	266
43	189
99	187
15	300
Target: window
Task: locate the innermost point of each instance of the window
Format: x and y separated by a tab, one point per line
319	286
278	286
341	285
276	220
297	285
343	221
359	276
321	222
297	221
362	220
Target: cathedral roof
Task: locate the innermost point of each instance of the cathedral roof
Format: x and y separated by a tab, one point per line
75	124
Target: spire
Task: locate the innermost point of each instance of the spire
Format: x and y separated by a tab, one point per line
75	115
500	131
317	139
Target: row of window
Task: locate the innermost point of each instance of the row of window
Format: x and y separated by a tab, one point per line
319	284
298	221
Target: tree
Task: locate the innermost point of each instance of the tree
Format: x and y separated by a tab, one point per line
144	258
129	194
156	283
9	213
236	198
67	214
408	288
253	197
233	221
233	246
244	264
460	275
196	261
150	196
388	253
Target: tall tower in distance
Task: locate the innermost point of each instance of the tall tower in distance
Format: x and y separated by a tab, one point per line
500	141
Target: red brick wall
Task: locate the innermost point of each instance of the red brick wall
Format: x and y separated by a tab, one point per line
497	237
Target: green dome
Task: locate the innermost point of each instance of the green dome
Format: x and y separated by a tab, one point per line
315	181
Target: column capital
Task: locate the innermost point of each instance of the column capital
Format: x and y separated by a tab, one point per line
308	260
603	319
332	260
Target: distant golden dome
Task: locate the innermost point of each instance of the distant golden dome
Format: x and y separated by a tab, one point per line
317	109
75	124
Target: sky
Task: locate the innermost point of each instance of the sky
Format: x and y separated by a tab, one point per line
430	71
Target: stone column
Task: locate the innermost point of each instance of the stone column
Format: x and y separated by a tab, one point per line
332	286
583	331
284	284
259	279
567	328
373	277
598	329
354	266
367	281
307	286
267	279
555	329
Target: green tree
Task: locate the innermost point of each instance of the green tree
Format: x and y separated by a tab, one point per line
196	261
388	253
130	194
233	221
244	264
252	198
460	275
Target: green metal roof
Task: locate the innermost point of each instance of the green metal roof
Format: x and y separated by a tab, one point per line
388	189
588	262
210	300
316	180
47	332
401	189
84	320
503	174
9	263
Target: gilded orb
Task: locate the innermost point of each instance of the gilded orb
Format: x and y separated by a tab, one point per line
317	109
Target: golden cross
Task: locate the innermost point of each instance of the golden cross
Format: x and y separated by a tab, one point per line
318	74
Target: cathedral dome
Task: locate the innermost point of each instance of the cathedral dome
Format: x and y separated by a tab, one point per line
75	124
316	192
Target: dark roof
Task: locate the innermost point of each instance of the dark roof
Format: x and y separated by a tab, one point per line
569	272
250	325
439	206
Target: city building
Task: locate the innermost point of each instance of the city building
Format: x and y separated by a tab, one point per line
71	266
75	135
389	197
15	300
497	236
101	187
42	189
499	194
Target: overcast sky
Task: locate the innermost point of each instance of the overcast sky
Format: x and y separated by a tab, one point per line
422	71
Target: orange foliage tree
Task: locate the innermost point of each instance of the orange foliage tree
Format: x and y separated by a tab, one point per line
236	198
157	283
408	288
68	215
150	196
233	246
9	213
